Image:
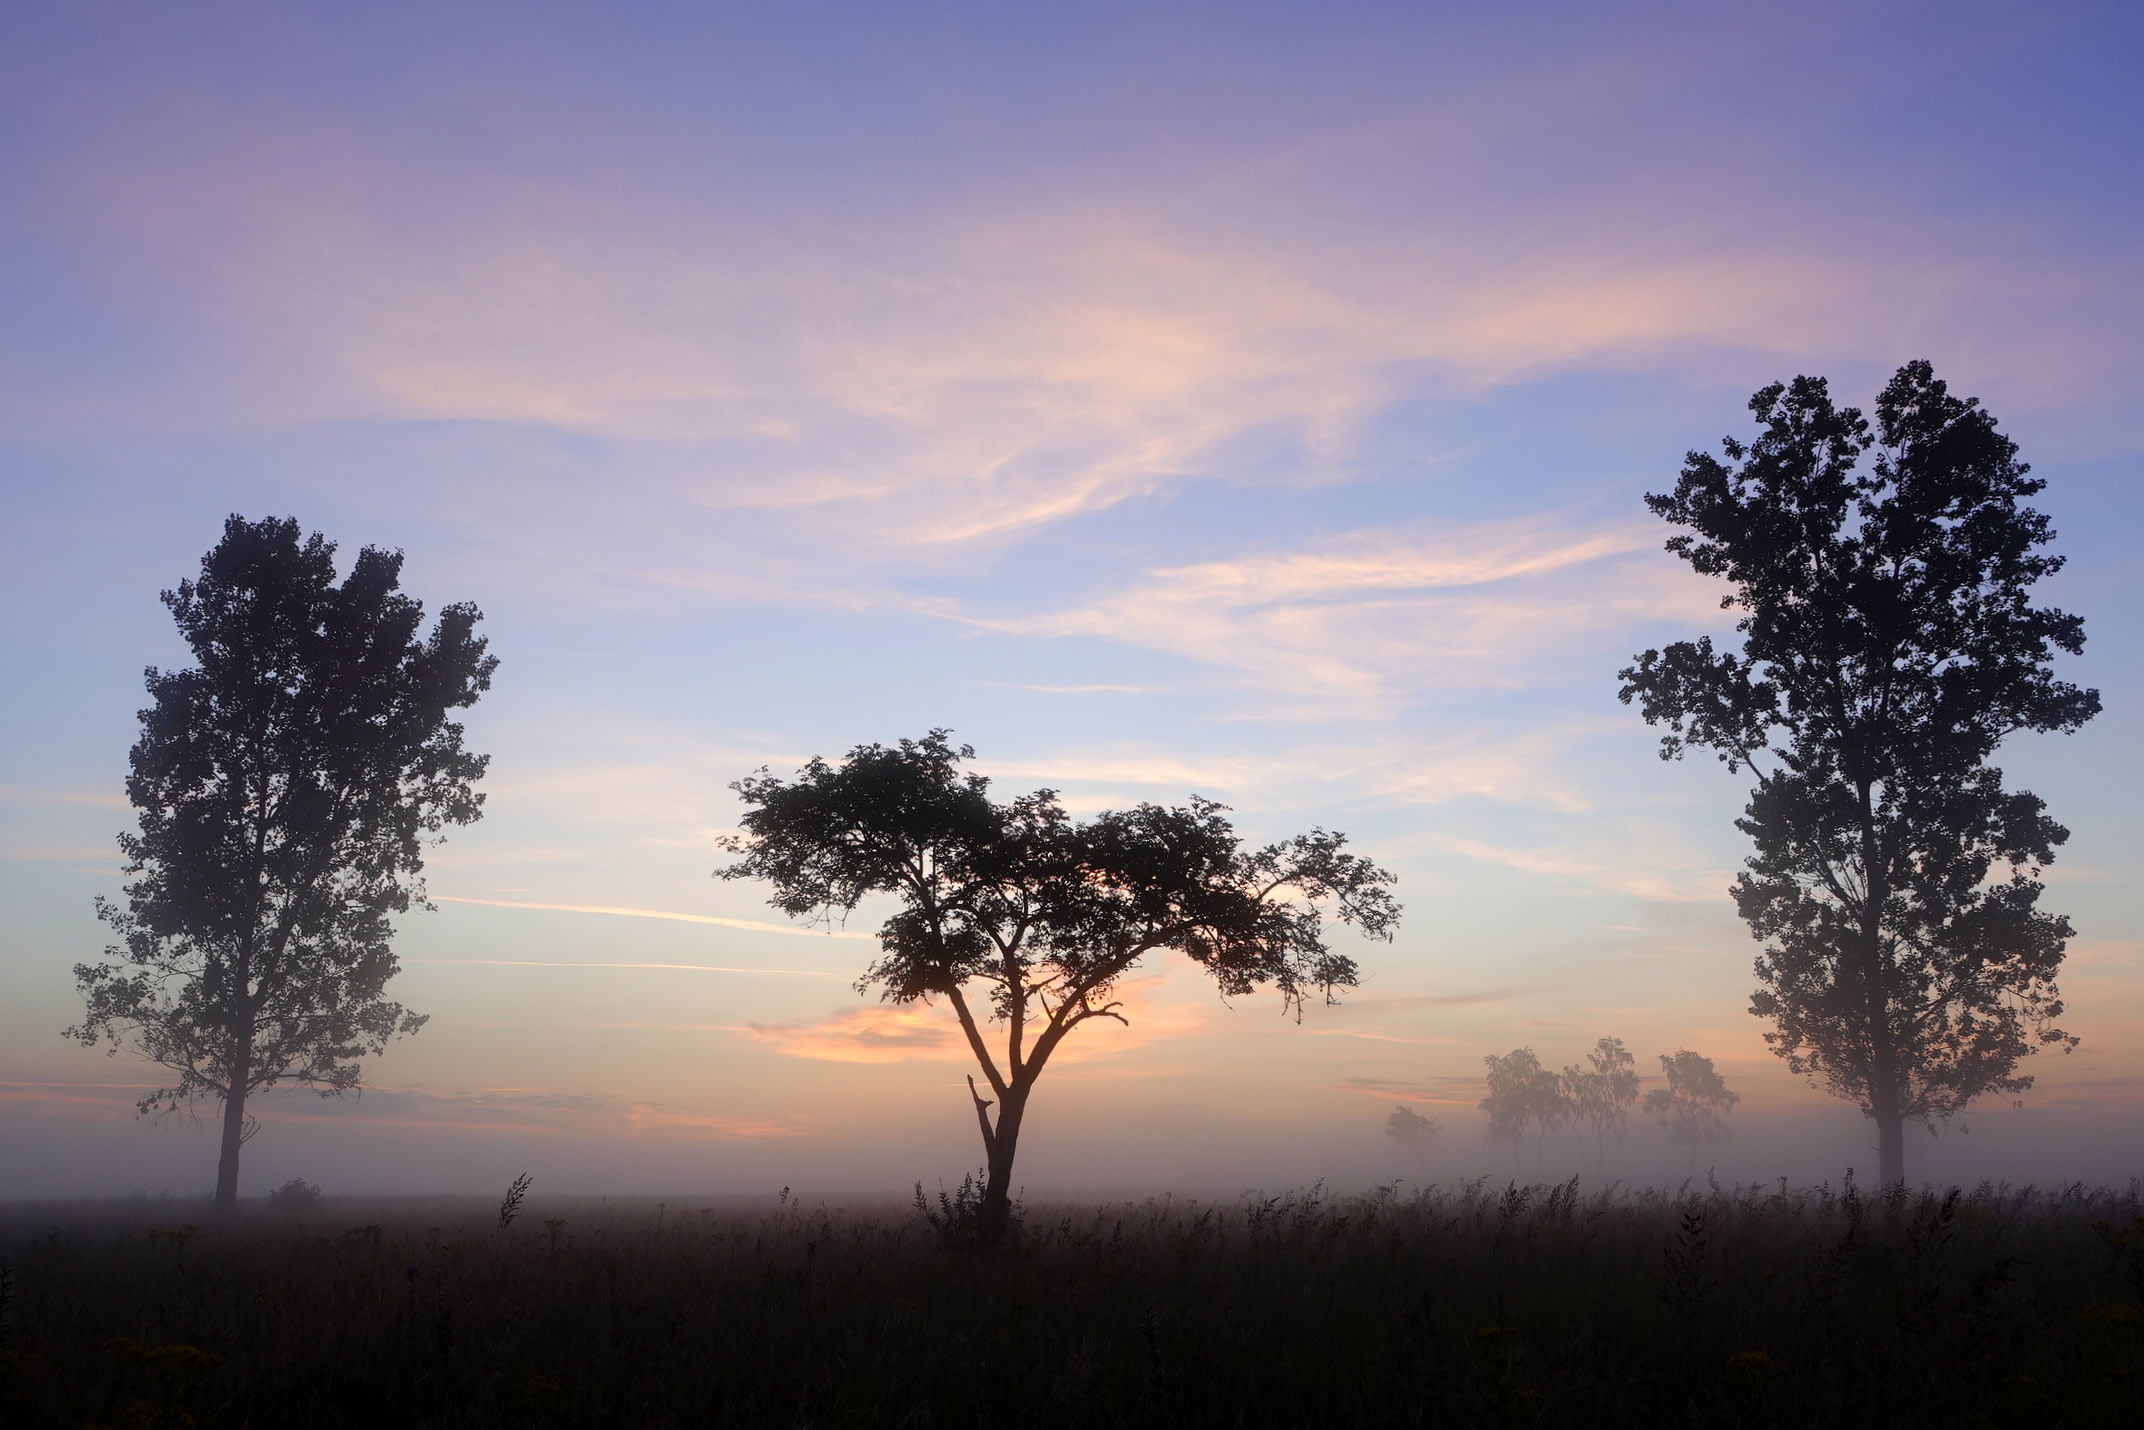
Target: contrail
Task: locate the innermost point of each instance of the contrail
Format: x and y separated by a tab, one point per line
750	925
681	967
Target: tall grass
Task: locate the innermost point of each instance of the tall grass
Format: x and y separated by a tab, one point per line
1469	1305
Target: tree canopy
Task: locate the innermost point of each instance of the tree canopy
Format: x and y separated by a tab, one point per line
285	787
1602	1093
1693	1107
1038	915
1522	1094
1889	645
1412	1130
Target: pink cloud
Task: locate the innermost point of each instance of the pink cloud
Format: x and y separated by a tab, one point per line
880	1033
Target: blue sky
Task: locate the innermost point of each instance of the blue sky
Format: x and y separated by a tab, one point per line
1250	400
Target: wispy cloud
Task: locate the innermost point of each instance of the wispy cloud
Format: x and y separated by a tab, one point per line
508	1110
881	1033
1366	1036
1439	1000
104	1100
652	1117
1360	619
40	853
19	794
659	967
749	925
1529	765
1067	689
977	370
928	1031
1451	1091
1623	875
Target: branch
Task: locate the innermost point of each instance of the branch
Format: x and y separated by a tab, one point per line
975	1038
1016	996
1750	760
982	1118
1074	996
1107	1010
1055	1033
1836	882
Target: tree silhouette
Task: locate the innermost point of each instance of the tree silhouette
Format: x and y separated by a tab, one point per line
1889	646
1693	1106
285	788
1041	915
1602	1094
1523	1094
1412	1130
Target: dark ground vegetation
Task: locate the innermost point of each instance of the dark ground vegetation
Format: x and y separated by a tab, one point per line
1471	1306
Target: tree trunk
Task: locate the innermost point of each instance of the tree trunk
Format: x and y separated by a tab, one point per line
234	1126
995	1214
234	1129
1886	1109
1890	1146
1888	1084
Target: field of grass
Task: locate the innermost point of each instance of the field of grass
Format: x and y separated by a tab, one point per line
1476	1305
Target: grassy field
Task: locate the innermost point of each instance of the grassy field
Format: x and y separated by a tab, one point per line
1478	1305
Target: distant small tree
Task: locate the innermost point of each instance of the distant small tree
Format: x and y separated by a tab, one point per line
295	1196
1889	646
1523	1094
1693	1107
1412	1130
1040	916
1601	1094
286	787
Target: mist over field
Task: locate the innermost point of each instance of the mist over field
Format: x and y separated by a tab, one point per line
1169	402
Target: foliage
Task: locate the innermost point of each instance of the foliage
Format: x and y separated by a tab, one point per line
1889	645
285	787
1601	1094
1469	1305
1043	914
510	1205
1523	1094
1412	1130
296	1195
960	1217
1694	1104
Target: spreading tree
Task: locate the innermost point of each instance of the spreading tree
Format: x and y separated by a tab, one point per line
1412	1130
1889	645
285	786
1023	920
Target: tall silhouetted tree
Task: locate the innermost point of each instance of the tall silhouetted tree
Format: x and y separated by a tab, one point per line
1601	1094
1693	1107
1019	917
1523	1094
1889	645
286	787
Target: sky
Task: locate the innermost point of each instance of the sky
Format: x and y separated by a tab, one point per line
1254	401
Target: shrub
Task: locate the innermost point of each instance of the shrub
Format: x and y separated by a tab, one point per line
296	1195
